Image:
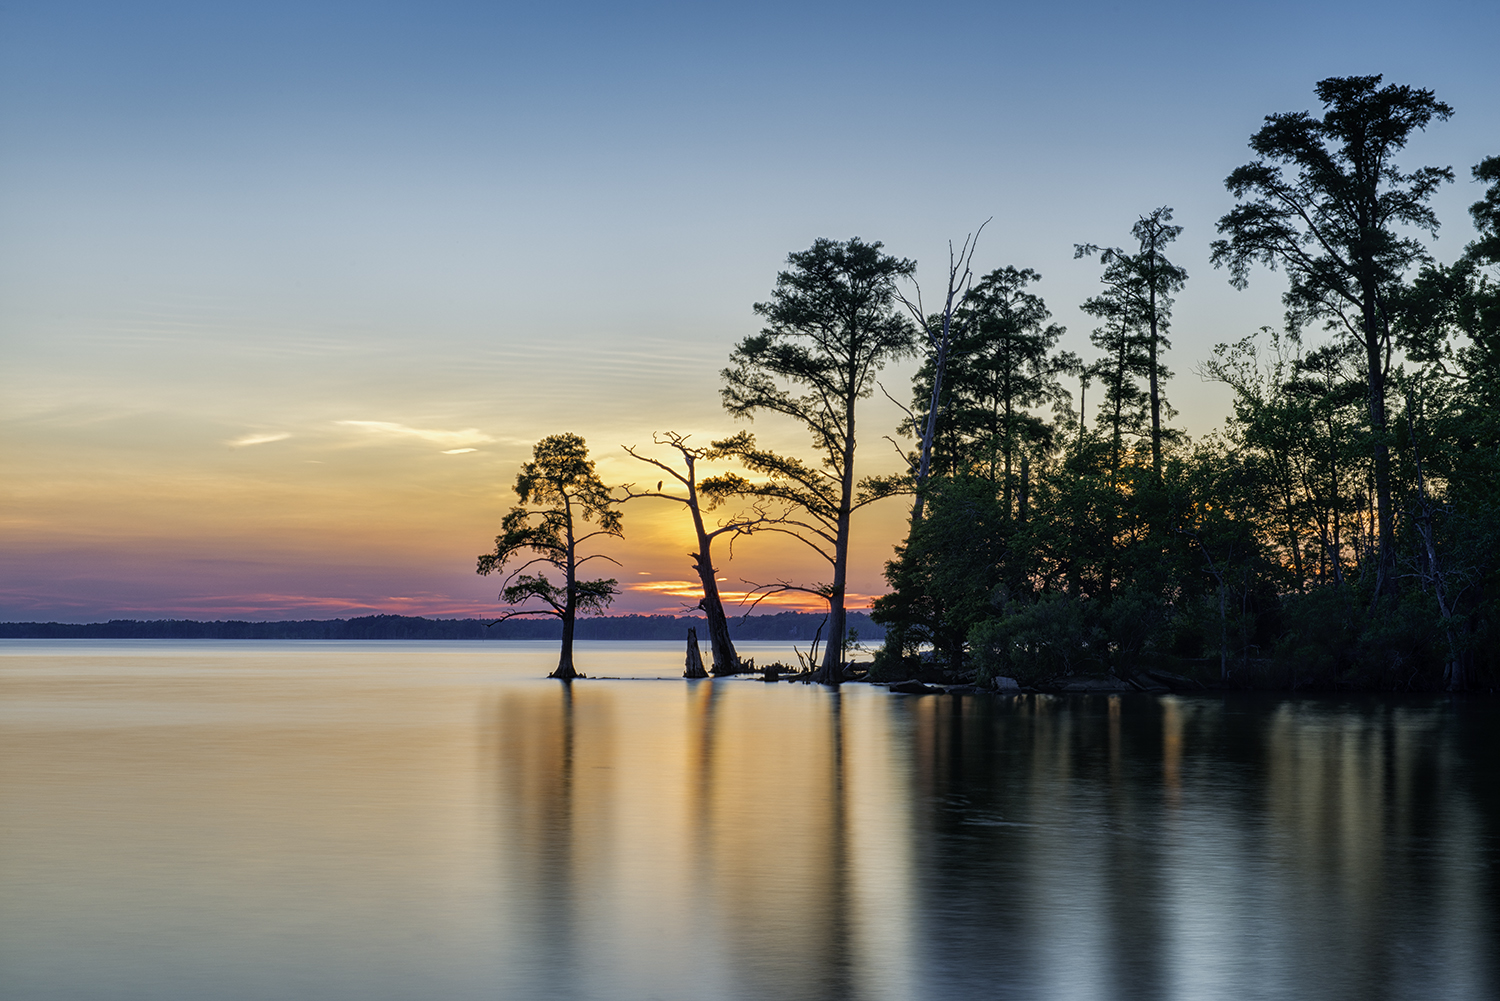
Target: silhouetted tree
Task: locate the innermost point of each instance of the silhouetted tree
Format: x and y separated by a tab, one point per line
829	328
1323	200
1450	324
1144	283
559	493
698	497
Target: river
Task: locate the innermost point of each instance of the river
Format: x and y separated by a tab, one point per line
384	820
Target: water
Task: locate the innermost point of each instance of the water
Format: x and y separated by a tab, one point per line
433	820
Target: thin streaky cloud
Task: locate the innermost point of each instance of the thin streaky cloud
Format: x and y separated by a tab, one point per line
258	439
458	451
456	440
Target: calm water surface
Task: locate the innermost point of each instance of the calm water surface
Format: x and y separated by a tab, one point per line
433	820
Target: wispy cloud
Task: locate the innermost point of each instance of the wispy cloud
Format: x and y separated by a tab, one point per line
456	441
458	451
258	439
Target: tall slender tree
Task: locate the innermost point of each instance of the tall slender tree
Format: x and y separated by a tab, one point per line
1004	371
1124	361
1145	282
1323	200
559	494
830	326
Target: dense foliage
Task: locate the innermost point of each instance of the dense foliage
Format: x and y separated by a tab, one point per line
1341	531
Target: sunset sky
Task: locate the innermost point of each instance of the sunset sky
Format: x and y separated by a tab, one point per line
288	290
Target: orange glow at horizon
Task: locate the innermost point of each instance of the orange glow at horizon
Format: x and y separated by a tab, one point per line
151	516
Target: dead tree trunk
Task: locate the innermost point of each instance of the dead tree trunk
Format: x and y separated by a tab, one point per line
694	657
938	343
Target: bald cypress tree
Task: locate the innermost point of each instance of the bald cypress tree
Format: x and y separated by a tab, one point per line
831	325
559	494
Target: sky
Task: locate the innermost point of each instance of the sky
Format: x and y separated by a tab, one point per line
289	290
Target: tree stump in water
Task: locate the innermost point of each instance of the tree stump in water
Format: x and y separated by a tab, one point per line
694	657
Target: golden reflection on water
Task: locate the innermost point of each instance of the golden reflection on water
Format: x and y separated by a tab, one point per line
721	848
434	820
1171	748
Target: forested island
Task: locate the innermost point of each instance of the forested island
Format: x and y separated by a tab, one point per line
1341	531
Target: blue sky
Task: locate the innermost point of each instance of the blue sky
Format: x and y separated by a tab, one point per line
227	221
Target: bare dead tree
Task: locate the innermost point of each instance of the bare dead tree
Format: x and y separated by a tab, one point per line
940	333
699	497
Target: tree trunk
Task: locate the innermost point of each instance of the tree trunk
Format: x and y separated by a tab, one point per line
694	657
832	671
929	428
565	671
1455	678
726	660
1155	391
1386	553
1009	430
1083	394
1025	491
1223	633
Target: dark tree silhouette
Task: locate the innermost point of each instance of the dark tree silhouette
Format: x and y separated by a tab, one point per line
1323	200
1144	283
830	326
700	496
559	494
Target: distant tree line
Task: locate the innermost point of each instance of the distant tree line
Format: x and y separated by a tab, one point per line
786	626
1342	530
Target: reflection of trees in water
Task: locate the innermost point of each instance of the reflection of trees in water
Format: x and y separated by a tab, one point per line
549	741
771	831
1144	847
1373	839
805	843
747	828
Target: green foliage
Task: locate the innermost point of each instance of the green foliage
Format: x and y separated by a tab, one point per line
996	370
1324	538
830	327
945	576
1056	636
559	494
1137	310
1326	202
1324	197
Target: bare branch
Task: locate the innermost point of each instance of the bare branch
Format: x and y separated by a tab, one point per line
904	408
528	611
823	591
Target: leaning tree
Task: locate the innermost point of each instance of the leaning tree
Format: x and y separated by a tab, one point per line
559	494
698	497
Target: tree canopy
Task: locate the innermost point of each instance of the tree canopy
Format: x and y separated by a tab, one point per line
559	494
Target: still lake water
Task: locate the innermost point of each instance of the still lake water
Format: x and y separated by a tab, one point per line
373	821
